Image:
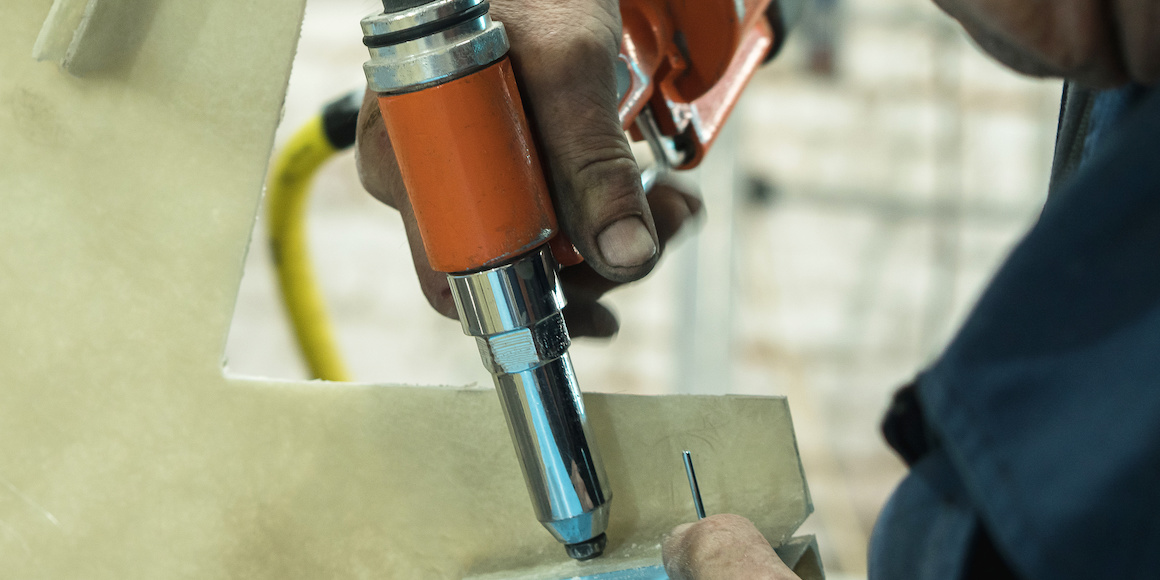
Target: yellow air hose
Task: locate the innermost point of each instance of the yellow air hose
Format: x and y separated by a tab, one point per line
288	197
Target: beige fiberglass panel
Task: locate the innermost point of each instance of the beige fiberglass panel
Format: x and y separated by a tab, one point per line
128	198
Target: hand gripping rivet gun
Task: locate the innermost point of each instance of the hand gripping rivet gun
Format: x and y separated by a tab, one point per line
450	103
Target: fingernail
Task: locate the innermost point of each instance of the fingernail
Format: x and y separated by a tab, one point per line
626	243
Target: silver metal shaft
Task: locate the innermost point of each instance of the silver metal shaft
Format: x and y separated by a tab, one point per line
514	313
693	487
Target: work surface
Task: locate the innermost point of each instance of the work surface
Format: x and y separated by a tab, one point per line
125	452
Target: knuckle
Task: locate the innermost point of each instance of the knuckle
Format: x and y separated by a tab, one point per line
1071	38
1072	56
610	172
378	170
699	543
574	57
607	160
702	532
594	42
1142	54
1144	70
732	519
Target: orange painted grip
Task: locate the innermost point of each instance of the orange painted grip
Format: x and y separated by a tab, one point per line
471	169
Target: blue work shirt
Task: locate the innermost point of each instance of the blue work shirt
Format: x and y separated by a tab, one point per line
1034	441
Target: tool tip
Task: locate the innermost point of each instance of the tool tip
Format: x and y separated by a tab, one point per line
587	549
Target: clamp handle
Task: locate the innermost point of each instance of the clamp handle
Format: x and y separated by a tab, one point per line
683	66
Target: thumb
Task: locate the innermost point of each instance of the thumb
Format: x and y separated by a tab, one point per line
564	54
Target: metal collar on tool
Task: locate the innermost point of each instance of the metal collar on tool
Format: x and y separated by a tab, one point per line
420	45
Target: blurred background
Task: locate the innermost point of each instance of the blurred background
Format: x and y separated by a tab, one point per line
871	180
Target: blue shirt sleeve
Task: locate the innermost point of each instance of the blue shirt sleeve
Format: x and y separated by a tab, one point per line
1045	409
